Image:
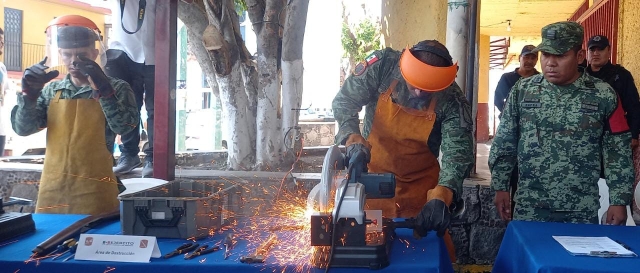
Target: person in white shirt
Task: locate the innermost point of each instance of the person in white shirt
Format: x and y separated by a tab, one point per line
4	83
131	57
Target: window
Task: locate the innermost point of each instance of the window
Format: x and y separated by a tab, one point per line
13	39
206	100
205	83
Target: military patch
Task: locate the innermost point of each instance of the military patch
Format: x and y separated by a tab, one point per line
360	68
531	103
588	107
466	121
589	84
371	59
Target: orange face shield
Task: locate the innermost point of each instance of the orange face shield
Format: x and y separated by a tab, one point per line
426	77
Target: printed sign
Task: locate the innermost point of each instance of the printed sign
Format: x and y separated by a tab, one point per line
117	248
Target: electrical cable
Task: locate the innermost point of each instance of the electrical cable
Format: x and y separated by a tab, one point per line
335	221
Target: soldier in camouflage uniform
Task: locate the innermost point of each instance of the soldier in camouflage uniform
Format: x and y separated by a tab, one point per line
77	176
413	109
557	126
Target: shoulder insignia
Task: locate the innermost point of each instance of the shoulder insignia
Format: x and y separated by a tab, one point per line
372	58
360	68
538	79
589	84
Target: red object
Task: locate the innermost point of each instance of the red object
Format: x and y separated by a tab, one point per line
74	20
164	144
617	121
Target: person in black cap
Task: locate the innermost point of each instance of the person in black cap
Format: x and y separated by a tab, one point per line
600	66
528	61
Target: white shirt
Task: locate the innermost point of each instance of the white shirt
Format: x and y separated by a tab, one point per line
140	45
4	86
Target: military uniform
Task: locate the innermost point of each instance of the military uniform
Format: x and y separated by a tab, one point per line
452	127
29	116
77	177
557	135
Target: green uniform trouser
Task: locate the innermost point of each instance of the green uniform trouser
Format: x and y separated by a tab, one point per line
548	215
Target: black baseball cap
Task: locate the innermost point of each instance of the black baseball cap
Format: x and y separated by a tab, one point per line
528	49
600	41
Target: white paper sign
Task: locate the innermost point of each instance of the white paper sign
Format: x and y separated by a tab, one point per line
592	246
117	248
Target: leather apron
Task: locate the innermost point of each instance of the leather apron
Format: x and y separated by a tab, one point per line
399	145
77	177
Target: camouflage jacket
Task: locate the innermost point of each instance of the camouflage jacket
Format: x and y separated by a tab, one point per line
452	129
558	137
120	110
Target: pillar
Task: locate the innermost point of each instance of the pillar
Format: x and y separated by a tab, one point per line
482	119
457	37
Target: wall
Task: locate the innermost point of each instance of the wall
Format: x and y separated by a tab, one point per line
406	22
482	119
36	15
628	40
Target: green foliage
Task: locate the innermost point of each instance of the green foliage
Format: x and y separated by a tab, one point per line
241	6
367	39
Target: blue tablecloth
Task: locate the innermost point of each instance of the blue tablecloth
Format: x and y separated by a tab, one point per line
529	247
426	255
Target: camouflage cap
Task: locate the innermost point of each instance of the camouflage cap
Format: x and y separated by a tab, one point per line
560	37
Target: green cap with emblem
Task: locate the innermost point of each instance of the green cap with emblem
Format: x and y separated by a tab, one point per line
560	37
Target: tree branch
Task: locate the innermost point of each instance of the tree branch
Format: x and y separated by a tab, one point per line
256	10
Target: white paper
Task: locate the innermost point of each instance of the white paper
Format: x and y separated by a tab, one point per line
592	245
117	248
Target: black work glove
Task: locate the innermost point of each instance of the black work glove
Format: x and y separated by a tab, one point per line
353	149
99	81
35	77
434	215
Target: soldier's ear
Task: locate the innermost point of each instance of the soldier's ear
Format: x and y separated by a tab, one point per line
581	55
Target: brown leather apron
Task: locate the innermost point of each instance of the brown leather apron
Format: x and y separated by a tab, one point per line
77	177
399	145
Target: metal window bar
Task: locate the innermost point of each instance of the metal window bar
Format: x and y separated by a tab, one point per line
13	39
602	19
34	53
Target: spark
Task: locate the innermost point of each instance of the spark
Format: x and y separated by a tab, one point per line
109	269
203	260
289	220
16	271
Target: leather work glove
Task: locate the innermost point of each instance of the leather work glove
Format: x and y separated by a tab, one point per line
435	214
357	138
97	78
35	77
356	143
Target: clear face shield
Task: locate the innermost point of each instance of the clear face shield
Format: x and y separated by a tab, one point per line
68	44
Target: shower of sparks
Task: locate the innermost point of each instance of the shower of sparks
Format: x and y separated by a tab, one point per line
289	220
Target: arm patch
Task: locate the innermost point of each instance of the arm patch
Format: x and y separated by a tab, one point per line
360	68
617	120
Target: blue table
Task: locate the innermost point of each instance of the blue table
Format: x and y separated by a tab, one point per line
426	255
529	247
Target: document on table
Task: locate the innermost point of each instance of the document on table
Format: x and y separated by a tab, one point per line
593	246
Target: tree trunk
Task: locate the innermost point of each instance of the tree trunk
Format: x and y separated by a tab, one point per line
237	121
292	70
266	22
213	36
